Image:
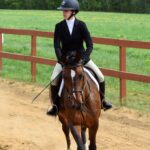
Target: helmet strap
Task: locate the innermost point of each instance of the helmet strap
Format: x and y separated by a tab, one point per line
72	14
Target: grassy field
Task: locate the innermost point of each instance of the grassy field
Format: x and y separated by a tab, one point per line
113	25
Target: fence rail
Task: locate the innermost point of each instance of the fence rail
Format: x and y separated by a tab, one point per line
122	44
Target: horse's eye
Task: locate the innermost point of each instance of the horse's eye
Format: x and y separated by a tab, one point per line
65	77
80	77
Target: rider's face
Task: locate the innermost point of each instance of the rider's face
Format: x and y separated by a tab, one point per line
67	13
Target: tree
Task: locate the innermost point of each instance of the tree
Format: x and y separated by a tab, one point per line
2	4
135	6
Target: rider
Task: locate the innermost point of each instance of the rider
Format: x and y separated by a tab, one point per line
69	36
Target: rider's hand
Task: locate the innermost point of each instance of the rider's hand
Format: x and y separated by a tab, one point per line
60	62
84	60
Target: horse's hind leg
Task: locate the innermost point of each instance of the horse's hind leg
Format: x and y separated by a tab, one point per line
92	137
66	132
76	132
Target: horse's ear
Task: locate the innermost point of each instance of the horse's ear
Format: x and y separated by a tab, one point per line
81	62
78	57
71	58
63	59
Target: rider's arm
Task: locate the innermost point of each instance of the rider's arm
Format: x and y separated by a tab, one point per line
88	40
57	43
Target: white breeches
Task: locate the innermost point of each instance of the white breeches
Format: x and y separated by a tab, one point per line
90	64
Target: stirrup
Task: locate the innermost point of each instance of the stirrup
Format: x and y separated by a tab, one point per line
106	105
52	111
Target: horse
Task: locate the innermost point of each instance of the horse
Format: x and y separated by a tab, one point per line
79	104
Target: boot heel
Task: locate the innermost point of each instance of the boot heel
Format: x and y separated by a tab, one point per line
53	111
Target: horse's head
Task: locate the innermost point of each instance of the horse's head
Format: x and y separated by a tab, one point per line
74	77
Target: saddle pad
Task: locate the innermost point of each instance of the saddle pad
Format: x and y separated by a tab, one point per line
90	75
61	87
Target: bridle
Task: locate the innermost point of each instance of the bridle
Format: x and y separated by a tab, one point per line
82	105
74	90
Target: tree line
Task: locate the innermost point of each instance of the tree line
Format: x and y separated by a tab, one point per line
130	6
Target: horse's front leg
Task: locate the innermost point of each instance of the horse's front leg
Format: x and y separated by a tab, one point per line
83	135
66	132
76	132
92	136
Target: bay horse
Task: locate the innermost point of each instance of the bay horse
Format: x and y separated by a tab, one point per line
79	104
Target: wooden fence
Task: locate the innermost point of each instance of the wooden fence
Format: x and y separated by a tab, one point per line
122	44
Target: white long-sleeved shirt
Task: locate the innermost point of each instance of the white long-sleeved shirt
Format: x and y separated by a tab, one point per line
70	24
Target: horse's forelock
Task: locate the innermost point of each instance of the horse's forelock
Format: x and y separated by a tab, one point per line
73	58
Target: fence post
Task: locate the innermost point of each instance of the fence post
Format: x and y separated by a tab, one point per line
1	51
33	53
122	68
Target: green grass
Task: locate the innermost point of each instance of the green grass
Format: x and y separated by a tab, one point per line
100	24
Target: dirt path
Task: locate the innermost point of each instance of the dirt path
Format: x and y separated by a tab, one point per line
24	126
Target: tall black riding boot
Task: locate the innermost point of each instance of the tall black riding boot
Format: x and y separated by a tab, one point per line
105	104
54	98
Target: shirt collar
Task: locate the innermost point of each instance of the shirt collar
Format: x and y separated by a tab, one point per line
71	20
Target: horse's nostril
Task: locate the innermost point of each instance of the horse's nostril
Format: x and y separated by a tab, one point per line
69	97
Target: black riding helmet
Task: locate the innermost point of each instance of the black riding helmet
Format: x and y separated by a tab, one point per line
70	5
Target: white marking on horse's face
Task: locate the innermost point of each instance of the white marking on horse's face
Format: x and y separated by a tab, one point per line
74	95
73	73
